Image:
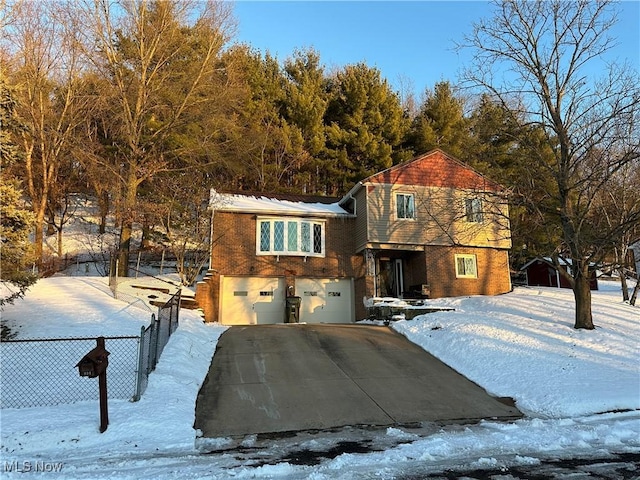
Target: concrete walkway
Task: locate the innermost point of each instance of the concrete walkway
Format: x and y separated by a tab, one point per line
277	378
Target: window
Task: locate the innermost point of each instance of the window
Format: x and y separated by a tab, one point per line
473	210
466	266
292	236
405	206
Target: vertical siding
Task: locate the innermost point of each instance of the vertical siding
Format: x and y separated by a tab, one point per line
362	219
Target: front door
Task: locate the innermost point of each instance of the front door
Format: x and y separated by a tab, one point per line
391	277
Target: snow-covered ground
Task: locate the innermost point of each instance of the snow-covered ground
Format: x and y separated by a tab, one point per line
580	391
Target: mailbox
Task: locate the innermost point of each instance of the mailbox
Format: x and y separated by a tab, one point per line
93	363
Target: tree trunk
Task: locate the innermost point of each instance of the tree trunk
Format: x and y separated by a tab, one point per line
38	238
60	243
623	284
582	295
145	243
127	222
103	204
124	248
634	295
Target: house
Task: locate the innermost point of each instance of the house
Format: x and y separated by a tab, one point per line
431	227
541	272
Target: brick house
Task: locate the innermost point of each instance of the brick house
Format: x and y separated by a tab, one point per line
431	227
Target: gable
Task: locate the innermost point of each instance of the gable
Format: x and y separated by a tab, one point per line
434	169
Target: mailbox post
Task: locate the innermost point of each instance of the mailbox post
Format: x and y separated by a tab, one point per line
94	364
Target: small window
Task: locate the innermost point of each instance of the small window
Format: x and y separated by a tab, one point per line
405	206
305	229
265	236
292	236
317	238
466	266
278	236
473	210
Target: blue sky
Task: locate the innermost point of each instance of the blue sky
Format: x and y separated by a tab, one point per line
409	41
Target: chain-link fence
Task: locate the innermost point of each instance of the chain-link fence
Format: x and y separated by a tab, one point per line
43	372
154	338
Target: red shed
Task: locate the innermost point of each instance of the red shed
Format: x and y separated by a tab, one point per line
541	272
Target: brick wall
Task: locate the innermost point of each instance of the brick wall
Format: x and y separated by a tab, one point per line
235	250
493	272
234	253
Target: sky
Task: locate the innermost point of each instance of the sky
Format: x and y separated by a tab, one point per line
412	43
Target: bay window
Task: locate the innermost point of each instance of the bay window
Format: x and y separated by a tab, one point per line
290	236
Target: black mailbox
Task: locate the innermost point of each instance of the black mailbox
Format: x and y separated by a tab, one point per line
93	363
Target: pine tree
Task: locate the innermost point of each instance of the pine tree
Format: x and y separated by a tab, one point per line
15	220
440	123
365	125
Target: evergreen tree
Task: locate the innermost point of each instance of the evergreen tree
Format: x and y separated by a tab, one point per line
305	106
440	123
264	150
365	126
16	221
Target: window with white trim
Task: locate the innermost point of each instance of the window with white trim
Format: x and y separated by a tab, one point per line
466	266
405	206
290	236
473	210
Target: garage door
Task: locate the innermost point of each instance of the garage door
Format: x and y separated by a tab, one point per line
325	300
252	300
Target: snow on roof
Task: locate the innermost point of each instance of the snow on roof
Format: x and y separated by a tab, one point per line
256	203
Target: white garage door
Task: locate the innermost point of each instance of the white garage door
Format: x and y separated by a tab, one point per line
252	300
325	300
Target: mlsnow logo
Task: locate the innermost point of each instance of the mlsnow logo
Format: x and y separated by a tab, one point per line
38	466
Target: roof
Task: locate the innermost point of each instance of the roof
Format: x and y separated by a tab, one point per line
433	169
277	204
549	261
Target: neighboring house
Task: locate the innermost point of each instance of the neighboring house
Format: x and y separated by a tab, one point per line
541	272
431	227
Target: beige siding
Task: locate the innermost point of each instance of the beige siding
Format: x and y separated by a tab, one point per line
440	218
361	223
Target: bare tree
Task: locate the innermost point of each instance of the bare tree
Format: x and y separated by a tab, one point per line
43	65
547	53
620	205
159	60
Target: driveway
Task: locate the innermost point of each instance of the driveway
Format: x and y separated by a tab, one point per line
277	378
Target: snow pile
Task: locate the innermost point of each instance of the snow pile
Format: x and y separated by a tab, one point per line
385	301
523	345
520	345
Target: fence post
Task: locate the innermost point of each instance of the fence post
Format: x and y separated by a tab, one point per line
153	342
139	374
138	263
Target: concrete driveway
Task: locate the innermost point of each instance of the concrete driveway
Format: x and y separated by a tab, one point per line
277	378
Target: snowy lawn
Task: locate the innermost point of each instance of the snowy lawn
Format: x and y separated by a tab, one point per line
523	345
520	345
